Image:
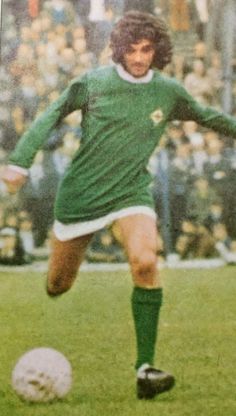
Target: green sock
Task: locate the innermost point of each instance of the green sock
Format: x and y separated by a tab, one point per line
146	304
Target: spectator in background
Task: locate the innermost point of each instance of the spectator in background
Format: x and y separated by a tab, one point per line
218	171
199	154
174	135
179	15
33	8
179	67
194	241
94	18
11	248
216	168
25	35
97	28
66	63
181	171
200	51
105	248
215	216
5	104
200	199
82	8
191	130
9	41
15	126
30	198
224	244
21	66
26	96
20	11
199	84
215	74
83	57
2	214
26	235
140	5
202	17
230	219
38	194
117	7
61	11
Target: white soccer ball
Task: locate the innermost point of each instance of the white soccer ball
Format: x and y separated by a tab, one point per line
42	375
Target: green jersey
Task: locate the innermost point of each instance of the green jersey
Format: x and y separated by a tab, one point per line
122	123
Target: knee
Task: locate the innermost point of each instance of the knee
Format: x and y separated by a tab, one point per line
54	292
144	267
57	286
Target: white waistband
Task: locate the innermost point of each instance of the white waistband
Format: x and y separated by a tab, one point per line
64	232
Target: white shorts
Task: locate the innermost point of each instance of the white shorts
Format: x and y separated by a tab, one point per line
64	232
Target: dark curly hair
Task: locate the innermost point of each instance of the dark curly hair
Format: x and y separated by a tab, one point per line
133	27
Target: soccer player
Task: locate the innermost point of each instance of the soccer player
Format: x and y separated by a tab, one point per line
125	109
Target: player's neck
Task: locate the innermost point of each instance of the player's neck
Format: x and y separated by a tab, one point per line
130	78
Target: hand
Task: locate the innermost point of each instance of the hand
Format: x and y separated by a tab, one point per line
14	180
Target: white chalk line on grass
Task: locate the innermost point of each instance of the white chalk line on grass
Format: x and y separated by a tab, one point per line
41	266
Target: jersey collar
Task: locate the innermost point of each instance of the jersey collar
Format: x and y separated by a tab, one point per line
128	77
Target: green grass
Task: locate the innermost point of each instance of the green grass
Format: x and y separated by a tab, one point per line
92	326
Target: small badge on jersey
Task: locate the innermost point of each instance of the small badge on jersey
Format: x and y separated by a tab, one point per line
157	116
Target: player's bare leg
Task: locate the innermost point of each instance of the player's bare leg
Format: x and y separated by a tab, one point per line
139	236
65	260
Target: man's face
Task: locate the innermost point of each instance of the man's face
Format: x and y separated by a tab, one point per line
139	57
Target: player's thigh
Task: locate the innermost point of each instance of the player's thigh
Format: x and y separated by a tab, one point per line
138	234
139	237
66	257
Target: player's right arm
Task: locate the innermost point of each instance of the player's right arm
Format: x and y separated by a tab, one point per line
14	175
73	98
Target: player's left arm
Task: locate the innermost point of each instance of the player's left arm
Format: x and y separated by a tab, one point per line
187	108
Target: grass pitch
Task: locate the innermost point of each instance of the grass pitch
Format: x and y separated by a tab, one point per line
92	326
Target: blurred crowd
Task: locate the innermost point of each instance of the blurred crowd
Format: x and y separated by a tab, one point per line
44	45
